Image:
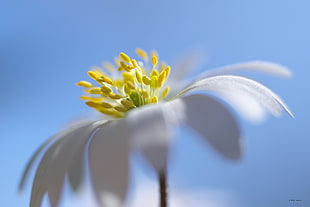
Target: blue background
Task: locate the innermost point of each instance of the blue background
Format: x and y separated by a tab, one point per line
47	46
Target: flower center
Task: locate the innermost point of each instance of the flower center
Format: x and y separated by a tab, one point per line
126	85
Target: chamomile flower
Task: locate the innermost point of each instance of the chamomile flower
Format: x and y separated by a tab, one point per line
139	111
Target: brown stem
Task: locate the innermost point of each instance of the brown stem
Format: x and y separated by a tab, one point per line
162	179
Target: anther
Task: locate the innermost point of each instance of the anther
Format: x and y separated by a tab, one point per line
104	79
124	66
96	90
131	85
145	94
127	103
106	105
115	96
128	76
85	84
93	75
106	89
92	104
134	63
125	57
165	92
142	54
161	78
89	98
138	76
120	109
154	72
154	81
127	89
146	80
154	60
154	99
167	69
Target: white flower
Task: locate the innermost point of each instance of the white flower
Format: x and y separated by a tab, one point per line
140	114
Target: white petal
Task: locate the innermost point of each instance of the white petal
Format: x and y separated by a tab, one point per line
54	164
108	161
256	66
43	146
76	167
32	159
151	128
245	105
235	84
214	122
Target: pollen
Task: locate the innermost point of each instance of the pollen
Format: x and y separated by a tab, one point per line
126	84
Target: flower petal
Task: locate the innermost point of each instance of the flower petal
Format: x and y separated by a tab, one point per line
32	159
108	156
42	147
151	130
76	168
236	84
245	105
256	66
54	164
214	122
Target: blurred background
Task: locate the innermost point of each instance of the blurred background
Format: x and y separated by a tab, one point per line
47	46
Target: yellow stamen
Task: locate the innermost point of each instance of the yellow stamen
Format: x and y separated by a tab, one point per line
127	103
124	66
131	85
128	76
142	54
154	60
92	104
161	78
127	89
85	84
106	89
93	75
115	96
104	79
135	86
134	63
96	90
154	99
145	94
154	81
125	57
111	112
120	109
154	72
96	99
167	69
106	105
146	80
165	92
118	83
138	76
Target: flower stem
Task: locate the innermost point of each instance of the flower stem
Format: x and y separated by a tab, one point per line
162	179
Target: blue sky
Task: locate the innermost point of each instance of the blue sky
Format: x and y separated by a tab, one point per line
47	46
